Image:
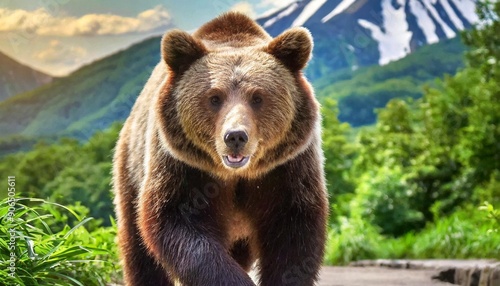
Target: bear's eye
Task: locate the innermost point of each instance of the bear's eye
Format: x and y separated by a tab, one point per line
256	100
215	100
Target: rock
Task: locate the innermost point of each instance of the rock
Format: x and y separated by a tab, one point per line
447	275
460	272
462	276
494	277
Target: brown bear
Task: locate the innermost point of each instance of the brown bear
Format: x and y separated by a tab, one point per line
219	164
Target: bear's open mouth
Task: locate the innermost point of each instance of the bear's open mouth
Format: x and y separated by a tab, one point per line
235	161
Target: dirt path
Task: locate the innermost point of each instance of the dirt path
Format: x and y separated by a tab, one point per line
374	276
409	273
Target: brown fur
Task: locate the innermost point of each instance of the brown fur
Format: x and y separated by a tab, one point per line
182	213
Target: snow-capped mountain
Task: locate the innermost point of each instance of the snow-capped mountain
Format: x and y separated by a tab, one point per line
351	33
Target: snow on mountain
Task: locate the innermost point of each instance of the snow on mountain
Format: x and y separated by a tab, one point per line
308	11
281	15
468	9
434	13
454	18
424	21
339	9
394	36
351	33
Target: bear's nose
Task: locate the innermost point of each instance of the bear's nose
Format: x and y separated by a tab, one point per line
236	139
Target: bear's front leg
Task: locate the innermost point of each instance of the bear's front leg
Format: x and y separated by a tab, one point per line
292	232
178	226
292	248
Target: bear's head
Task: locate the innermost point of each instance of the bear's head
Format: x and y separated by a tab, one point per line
235	102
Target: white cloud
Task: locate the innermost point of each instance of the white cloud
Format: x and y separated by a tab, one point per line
60	53
245	8
41	22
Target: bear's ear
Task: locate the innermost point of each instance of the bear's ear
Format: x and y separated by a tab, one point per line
179	50
293	48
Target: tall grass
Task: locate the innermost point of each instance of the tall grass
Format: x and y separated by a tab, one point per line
51	244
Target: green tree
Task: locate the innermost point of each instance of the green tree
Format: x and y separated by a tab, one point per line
338	159
442	151
67	172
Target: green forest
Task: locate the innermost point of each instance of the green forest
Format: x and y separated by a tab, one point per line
423	182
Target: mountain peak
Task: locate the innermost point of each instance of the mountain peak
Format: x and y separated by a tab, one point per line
373	32
17	78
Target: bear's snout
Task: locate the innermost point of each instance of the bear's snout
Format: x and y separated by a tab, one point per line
236	140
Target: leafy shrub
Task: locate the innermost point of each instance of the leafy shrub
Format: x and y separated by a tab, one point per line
45	250
493	214
462	235
385	200
353	240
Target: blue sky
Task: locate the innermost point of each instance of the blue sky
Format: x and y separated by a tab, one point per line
58	36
